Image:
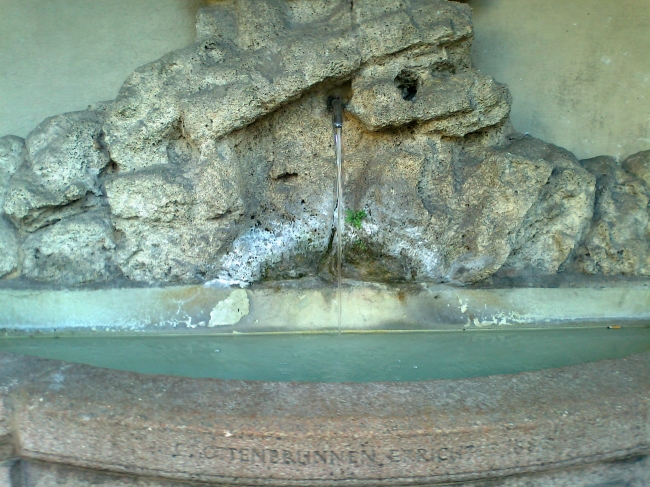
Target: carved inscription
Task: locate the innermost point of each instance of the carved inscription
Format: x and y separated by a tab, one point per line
378	457
431	457
275	456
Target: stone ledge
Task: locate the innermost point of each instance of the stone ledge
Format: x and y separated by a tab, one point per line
312	306
266	433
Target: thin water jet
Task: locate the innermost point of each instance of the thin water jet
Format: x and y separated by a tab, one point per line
337	123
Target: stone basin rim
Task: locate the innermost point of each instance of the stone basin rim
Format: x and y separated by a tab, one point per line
442	480
369	434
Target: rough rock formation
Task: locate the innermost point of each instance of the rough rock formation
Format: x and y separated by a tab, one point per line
559	217
217	161
64	157
618	240
12	155
639	165
75	250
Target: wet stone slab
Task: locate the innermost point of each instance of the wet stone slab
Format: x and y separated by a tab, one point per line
270	433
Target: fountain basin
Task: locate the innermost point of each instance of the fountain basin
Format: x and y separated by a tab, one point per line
64	422
275	433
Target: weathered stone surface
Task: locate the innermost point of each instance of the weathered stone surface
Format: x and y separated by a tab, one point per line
273	181
629	473
10	380
408	183
287	159
9	248
5	474
558	220
222	166
271	433
65	155
633	472
219	85
223	83
41	474
436	210
308	306
427	88
393	26
618	240
7	450
12	155
73	251
639	165
173	223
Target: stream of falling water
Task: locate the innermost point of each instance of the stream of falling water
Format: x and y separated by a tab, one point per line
339	225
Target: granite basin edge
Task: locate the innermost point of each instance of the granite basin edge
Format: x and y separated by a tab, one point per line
271	433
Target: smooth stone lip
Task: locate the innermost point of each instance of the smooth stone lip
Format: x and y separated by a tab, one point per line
308	305
272	433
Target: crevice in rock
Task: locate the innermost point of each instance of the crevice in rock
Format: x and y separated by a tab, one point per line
222	216
287	176
112	168
99	142
47	216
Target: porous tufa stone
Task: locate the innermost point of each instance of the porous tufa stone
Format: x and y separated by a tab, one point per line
65	155
215	162
617	241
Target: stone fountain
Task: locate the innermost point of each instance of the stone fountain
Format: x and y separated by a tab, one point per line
214	165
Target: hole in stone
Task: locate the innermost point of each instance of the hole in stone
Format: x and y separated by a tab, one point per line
407	82
286	176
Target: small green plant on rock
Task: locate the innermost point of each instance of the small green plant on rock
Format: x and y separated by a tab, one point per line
355	218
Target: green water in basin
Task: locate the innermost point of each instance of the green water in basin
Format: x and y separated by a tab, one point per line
346	358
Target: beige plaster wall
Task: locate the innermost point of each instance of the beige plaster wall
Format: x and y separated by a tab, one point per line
61	55
578	70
